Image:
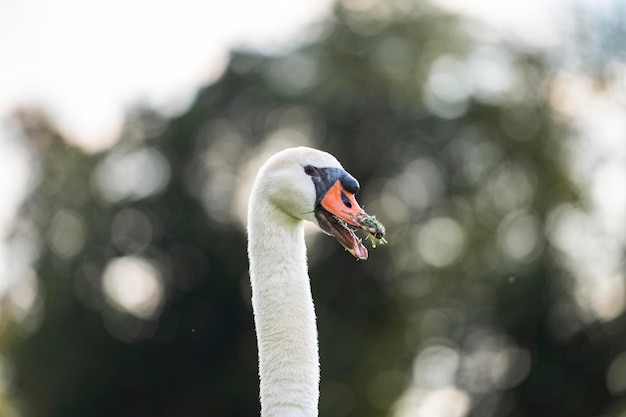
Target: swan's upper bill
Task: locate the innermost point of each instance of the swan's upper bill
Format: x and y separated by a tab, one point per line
312	185
337	209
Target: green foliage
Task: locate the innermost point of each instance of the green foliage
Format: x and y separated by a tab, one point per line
462	176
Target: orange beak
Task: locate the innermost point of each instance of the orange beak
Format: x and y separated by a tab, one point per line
338	209
342	204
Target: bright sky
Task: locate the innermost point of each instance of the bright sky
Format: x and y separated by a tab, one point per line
85	62
514	18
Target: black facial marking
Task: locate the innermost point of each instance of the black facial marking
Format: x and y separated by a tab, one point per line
349	183
324	178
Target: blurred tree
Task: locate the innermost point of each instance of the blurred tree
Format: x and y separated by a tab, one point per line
142	264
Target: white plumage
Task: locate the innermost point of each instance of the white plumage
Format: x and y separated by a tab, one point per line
288	190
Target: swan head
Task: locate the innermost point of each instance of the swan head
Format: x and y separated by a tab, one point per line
311	185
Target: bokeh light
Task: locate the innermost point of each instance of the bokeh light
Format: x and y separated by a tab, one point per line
447	88
67	234
133	285
131	174
616	375
440	241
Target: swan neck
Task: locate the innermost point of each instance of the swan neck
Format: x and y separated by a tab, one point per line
283	312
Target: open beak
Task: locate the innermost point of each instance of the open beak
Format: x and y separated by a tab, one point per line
338	211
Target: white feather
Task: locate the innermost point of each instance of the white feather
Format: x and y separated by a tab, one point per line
282	197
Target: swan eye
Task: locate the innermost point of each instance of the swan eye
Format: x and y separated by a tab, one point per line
310	170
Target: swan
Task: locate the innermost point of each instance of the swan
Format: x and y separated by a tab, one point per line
295	185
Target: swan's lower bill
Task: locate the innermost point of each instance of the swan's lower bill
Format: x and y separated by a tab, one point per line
338	228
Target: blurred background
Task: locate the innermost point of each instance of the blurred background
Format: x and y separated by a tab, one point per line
489	138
